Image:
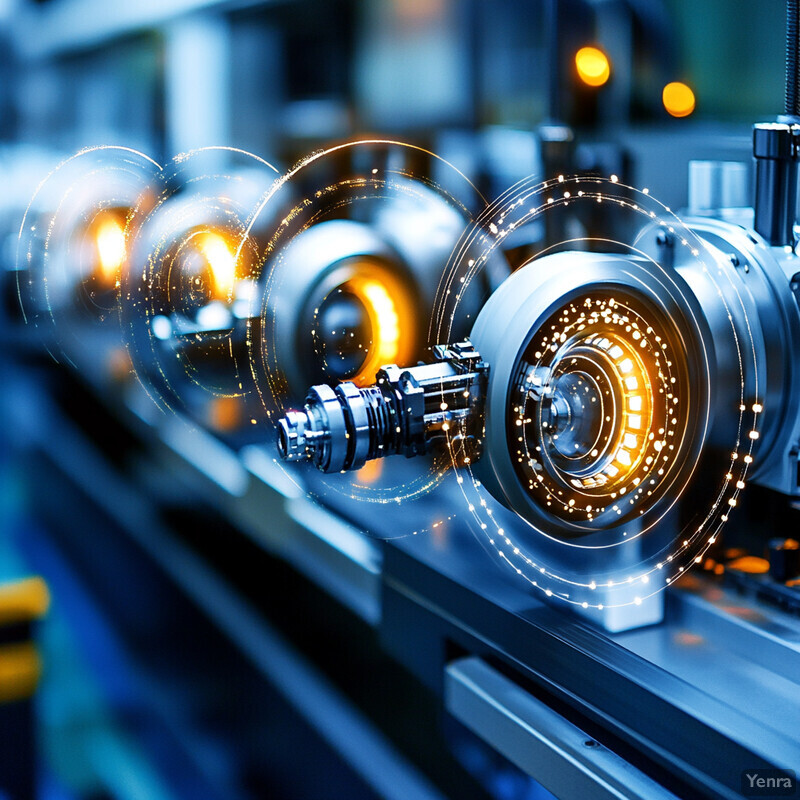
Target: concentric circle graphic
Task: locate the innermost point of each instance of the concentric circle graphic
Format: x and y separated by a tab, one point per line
625	388
197	259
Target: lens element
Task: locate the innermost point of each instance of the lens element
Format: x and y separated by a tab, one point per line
597	409
364	322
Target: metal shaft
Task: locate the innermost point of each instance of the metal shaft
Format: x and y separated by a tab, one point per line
405	411
776	152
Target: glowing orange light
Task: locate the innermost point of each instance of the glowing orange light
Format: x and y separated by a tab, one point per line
678	99
637	409
225	413
593	66
389	310
386	333
111	247
370	472
750	564
221	260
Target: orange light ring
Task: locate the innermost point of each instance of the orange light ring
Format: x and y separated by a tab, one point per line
390	308
634	363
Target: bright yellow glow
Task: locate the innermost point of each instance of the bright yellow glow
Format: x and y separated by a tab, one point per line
111	247
391	318
385	323
636	420
593	66
678	99
370	472
388	327
623	457
23	601
222	261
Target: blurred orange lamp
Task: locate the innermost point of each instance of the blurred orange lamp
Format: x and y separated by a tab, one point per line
678	99
593	66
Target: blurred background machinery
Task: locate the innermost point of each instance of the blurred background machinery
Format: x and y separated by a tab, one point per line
216	633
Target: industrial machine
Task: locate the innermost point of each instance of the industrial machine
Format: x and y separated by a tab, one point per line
582	580
593	388
253	285
602	377
187	303
612	403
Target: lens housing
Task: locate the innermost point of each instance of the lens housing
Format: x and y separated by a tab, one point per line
598	399
340	304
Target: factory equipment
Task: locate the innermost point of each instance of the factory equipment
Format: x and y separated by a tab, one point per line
617	397
72	249
589	423
263	285
351	275
595	391
189	295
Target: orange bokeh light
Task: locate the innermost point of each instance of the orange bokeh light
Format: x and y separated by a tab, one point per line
593	66
678	99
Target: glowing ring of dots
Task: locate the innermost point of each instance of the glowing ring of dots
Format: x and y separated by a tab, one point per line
623	391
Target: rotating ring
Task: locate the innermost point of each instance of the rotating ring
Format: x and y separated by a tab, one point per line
595	439
599	395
